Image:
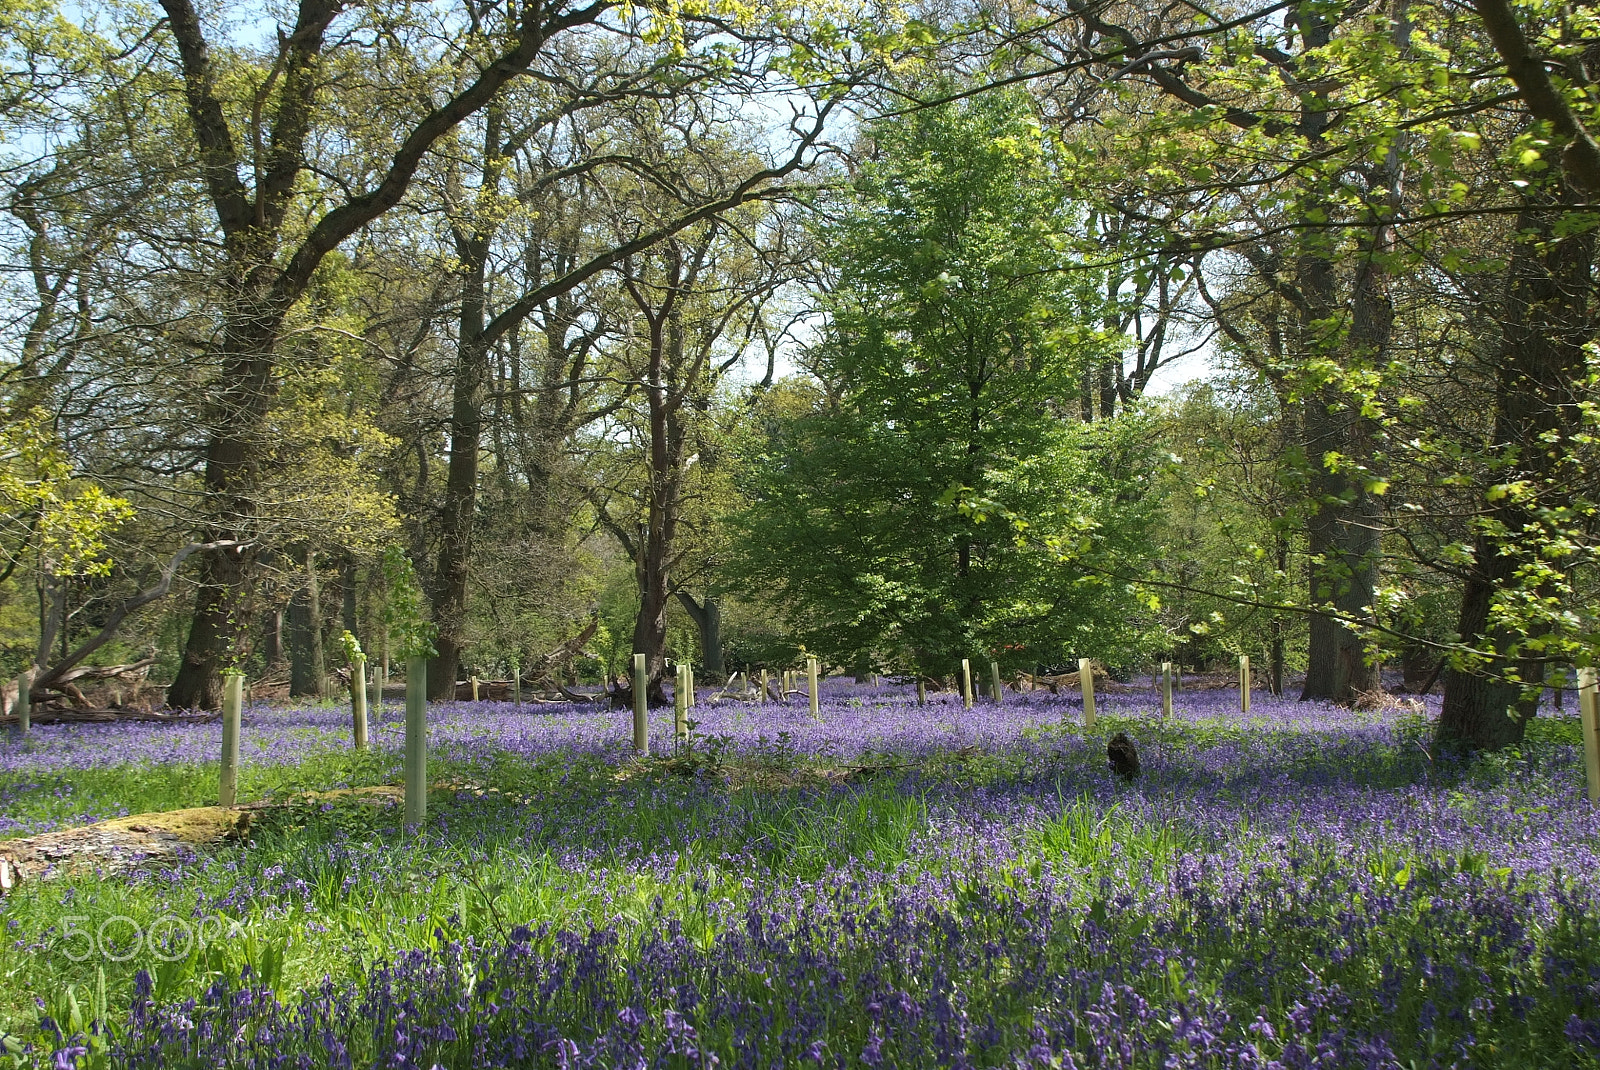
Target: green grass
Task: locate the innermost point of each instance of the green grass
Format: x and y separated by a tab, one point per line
1092	838
340	884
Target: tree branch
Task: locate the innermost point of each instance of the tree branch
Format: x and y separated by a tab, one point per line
1581	158
356	213
56	673
752	188
219	159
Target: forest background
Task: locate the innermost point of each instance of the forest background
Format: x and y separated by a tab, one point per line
732	333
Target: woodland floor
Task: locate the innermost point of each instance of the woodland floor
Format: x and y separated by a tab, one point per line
884	884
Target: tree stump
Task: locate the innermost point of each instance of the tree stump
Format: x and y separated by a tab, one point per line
1124	756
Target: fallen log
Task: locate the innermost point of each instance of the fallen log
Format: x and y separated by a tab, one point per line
542	672
119	845
124	844
58	714
1072	681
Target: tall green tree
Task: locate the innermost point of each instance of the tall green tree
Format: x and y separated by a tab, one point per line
945	500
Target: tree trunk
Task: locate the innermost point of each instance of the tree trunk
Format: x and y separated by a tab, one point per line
307	666
272	629
1279	625
52	618
461	484
347	605
650	627
665	489
236	416
1540	369
1341	530
707	619
221	596
1479	711
1346	522
1342	539
1108	389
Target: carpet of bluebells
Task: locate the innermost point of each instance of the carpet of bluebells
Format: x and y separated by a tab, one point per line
882	885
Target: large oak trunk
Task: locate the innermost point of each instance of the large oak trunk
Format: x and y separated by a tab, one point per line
461	494
1481	712
222	609
198	685
1342	541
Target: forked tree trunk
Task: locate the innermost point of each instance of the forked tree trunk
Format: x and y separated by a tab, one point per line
1340	536
707	619
1345	521
661	522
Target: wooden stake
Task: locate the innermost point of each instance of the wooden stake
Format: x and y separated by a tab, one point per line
416	740
761	700
688	679
24	705
922	692
358	699
811	676
680	704
1166	689
994	680
1244	683
232	706
1589	721
474	689
966	683
1086	685
641	724
516	683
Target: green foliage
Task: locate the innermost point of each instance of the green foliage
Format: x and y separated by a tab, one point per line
404	611
1230	527
942	499
319	476
48	512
